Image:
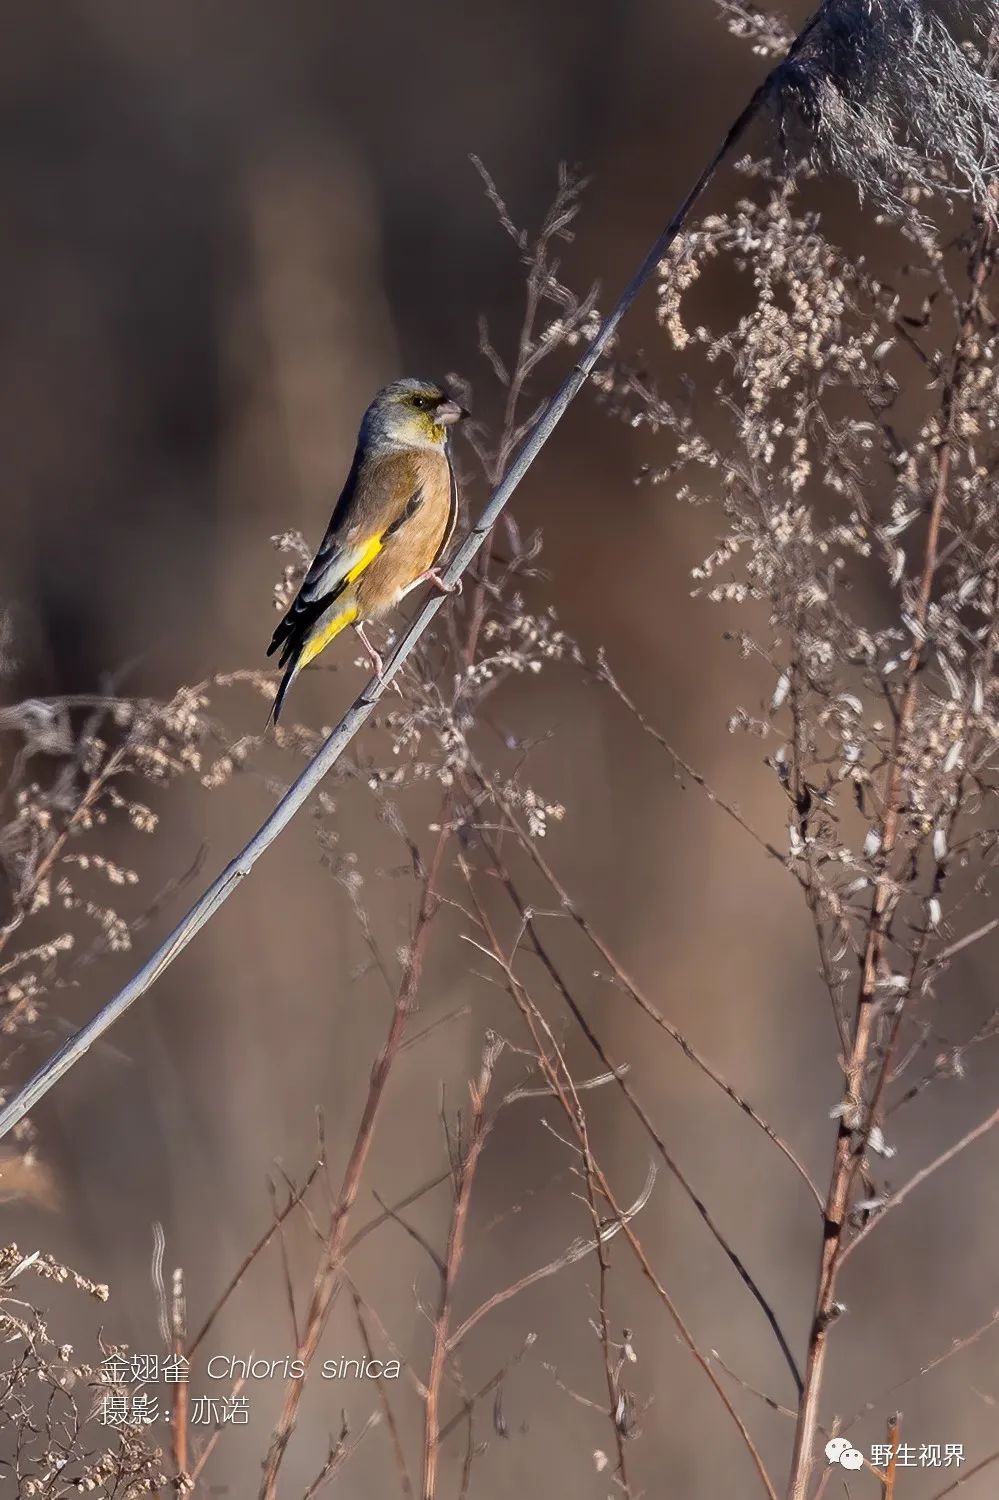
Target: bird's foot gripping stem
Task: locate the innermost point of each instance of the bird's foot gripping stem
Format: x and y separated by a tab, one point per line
376	661
433	575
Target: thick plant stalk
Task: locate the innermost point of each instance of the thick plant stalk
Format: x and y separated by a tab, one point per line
856	1113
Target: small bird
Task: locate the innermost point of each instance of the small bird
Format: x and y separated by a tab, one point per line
394	517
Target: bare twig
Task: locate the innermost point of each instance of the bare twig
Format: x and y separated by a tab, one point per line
617	1401
602	672
617	1074
962	1479
560	1082
577	1251
180	1413
774	1405
957	1346
213	1441
478	1131
414	1234
568	904
289	1288
277	1220
327	1274
405	1483
968	1139
469	1404
339	1453
888	1483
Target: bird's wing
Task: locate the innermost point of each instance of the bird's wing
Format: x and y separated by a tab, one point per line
452	514
380	493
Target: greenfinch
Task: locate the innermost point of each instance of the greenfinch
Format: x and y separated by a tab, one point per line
394	517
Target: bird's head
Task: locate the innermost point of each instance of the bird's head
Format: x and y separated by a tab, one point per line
411	414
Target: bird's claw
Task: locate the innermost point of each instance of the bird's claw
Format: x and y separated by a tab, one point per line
376	661
439	583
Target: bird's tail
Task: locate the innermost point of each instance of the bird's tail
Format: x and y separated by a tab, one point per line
299	654
291	672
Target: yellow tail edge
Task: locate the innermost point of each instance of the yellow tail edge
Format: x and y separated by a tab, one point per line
329	632
309	652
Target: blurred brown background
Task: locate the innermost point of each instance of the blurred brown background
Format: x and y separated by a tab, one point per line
223	227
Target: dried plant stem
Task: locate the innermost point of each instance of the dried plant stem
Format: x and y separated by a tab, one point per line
847	1156
968	1139
396	1208
768	1400
968	1474
294	1200
179	1429
616	1407
213	1441
957	1346
405	1483
469	1404
888	1483
277	1220
362	709
386	1337
470	1452
530	847
576	1252
561	1086
339	1453
478	1130
328	1273
180	1413
603	673
289	1287
530	930
47	863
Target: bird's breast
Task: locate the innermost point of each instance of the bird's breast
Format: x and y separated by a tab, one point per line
408	552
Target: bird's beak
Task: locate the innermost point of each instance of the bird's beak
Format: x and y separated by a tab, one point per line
446	413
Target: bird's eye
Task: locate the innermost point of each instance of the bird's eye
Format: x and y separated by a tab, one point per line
421	402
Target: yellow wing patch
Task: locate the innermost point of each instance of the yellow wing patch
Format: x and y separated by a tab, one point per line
369	552
349	613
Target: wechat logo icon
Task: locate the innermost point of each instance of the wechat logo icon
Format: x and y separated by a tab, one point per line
840	1451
